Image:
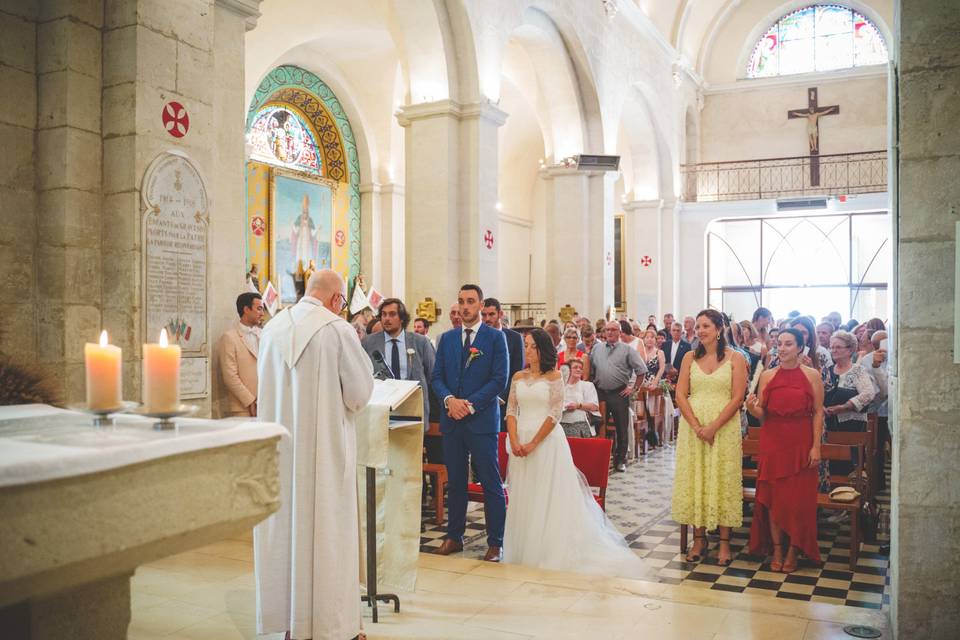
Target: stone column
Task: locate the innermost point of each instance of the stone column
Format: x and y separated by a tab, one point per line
670	266
450	203
570	229
432	242
18	200
68	182
926	387
382	230
155	52
642	222
479	194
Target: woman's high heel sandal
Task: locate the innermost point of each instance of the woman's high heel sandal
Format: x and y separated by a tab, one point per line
791	567
724	563
774	565
697	557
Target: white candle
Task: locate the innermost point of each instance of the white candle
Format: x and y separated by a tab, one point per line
104	374
161	375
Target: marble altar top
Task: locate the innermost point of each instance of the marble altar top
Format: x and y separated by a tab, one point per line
39	442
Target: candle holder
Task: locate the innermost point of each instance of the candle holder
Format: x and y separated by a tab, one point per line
100	415
166	421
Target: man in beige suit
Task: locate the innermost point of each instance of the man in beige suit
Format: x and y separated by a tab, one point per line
238	350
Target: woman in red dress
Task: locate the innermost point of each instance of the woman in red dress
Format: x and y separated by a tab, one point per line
790	408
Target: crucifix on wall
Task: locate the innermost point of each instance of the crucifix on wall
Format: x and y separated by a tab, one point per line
812	114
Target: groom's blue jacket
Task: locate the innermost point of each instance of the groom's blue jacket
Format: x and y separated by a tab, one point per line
480	381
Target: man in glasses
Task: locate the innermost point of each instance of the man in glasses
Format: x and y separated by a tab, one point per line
313	376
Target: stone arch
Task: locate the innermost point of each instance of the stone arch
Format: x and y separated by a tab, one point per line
651	157
304	90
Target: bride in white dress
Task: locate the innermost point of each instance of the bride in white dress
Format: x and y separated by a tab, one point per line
553	521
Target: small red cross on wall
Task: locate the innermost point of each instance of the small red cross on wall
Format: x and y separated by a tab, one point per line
176	120
488	239
646	261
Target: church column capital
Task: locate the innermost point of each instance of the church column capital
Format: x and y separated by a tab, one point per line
409	113
643	205
249	10
483	110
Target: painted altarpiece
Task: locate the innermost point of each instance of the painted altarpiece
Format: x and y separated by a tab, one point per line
302	181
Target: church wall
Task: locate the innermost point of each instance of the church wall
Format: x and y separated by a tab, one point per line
926	441
752	123
18	201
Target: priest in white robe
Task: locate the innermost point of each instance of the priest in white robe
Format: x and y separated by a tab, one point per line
313	376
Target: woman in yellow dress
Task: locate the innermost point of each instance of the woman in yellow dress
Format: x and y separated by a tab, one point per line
708	488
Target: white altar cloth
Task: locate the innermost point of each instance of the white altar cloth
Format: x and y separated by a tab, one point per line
39	442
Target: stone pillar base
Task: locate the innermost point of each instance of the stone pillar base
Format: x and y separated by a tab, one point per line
95	611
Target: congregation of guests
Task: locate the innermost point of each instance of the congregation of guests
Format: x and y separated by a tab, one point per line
795	378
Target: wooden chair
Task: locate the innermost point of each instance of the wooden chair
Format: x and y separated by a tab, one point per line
827	452
438	475
857	440
475	489
592	457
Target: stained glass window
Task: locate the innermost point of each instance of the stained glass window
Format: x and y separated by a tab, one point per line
822	37
278	136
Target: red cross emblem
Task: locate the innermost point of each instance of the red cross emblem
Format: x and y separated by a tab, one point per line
339	237
488	239
646	261
176	120
258	226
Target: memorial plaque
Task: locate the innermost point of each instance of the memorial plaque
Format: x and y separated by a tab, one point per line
193	378
175	224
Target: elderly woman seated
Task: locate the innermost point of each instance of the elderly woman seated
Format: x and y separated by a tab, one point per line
579	400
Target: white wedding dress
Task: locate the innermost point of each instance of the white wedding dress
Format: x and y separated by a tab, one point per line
553	521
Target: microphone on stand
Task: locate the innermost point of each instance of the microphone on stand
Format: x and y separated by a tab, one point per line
382	368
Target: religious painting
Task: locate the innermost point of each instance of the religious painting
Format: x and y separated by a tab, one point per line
301	231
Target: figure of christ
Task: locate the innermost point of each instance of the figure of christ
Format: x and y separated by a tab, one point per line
813	116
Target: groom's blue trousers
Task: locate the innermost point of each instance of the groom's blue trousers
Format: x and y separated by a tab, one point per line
482	447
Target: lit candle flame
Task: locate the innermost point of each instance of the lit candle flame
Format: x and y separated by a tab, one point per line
163	338
103	339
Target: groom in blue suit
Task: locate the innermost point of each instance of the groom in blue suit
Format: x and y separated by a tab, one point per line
470	372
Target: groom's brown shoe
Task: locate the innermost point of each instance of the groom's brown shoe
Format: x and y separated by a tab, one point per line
450	546
494	554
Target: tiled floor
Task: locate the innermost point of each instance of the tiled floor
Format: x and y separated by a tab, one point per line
208	594
638	502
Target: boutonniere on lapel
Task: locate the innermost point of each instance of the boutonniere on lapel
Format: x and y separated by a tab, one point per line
410	354
474	354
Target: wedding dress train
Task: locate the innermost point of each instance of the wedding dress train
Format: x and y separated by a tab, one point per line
553	520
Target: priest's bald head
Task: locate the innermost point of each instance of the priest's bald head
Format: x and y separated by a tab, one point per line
328	287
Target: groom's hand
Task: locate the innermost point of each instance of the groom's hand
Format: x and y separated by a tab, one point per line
458	409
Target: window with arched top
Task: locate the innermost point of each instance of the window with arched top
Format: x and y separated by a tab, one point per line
821	37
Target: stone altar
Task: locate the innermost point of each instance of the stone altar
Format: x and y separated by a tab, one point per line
81	507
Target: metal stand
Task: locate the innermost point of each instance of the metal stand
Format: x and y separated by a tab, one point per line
372	596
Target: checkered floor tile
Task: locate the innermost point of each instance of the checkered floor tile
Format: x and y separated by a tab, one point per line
638	502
